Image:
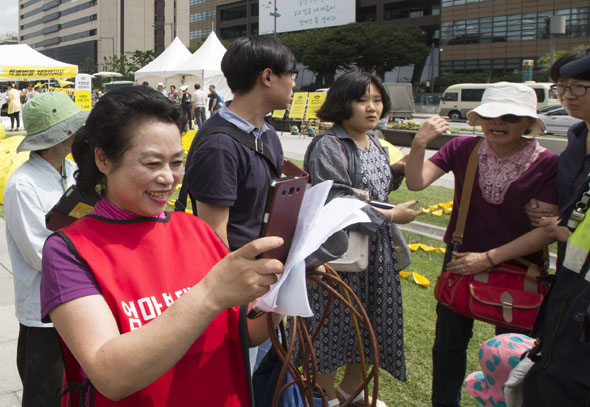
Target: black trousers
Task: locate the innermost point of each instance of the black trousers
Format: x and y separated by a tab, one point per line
40	366
14	116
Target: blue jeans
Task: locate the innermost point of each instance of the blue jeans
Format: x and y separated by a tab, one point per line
449	353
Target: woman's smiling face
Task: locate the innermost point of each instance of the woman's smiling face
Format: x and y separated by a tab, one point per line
147	174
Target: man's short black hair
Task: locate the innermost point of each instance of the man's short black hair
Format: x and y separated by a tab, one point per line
248	56
197	86
572	56
347	88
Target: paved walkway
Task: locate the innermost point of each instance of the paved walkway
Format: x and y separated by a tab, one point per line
10	384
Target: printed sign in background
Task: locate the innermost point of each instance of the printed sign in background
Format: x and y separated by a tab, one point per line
20	72
295	15
278	114
315	101
84	91
298	105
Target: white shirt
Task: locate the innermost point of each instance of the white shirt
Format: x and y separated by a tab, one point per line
200	98
31	191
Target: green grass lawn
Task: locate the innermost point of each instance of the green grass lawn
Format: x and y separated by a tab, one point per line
429	196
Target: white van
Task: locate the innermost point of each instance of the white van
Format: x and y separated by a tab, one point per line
458	99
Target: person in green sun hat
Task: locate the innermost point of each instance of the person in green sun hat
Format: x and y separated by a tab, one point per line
50	119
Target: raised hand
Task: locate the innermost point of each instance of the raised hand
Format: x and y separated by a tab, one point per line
241	277
430	130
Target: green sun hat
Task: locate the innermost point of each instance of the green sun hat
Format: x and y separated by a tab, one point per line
49	119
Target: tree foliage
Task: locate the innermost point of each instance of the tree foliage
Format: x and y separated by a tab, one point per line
128	65
370	47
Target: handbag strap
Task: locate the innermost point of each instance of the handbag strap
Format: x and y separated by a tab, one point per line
466	195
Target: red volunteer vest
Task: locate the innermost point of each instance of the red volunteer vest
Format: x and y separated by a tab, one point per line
142	266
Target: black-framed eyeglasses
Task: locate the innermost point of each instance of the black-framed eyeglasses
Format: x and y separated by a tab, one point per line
508	118
575	89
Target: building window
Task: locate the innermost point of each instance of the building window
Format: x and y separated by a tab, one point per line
195	2
202	16
515	27
234	32
234	13
366	14
393	11
450	3
31	13
195	34
29	3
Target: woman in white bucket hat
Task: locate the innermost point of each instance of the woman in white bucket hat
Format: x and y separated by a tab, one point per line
512	169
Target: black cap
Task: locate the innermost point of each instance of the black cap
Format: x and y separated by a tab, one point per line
575	68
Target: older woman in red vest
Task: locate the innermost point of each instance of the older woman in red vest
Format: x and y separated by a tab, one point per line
147	302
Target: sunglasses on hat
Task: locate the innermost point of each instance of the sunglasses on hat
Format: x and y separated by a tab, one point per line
508	118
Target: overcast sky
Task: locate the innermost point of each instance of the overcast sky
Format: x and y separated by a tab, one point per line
8	16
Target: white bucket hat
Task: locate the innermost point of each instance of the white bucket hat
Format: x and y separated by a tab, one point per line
504	98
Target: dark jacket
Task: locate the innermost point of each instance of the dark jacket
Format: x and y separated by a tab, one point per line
561	374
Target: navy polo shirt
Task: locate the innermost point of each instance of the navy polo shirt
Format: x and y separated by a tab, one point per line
221	171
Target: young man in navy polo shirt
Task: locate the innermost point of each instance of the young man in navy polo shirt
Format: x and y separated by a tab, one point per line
229	180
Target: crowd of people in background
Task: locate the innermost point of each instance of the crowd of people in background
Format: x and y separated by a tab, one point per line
201	275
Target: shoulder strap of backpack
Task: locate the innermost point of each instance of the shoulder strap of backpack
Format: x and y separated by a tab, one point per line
238	135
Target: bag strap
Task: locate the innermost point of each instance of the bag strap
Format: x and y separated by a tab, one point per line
466	195
238	135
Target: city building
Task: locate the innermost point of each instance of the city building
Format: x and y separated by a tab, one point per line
8	39
82	31
497	35
231	19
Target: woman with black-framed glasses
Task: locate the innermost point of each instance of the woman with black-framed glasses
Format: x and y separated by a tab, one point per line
571	74
559	376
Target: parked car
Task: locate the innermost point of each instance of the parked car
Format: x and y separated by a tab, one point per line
557	121
458	99
548	109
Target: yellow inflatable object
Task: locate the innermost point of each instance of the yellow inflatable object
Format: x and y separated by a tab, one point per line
2	132
9	160
429	249
433	207
394	154
447	210
446	205
420	279
438	213
187	139
404	274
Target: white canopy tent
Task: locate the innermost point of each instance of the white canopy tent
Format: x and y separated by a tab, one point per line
205	63
21	62
159	69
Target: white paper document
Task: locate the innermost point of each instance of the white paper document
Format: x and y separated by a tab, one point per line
315	224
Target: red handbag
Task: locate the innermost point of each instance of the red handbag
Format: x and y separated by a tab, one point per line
508	295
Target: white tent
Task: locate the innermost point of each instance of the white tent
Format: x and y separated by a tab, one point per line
206	64
19	62
160	67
